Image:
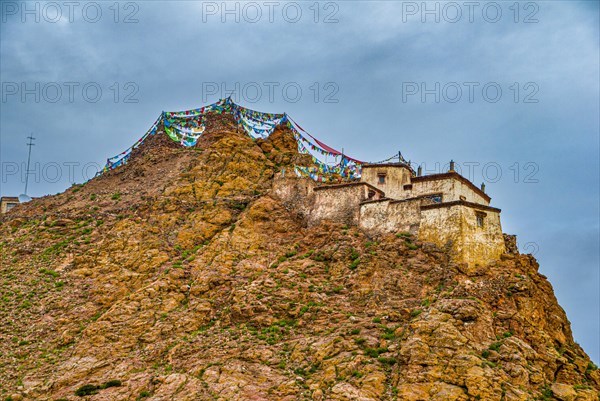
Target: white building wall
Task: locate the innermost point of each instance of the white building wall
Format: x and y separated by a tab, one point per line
451	188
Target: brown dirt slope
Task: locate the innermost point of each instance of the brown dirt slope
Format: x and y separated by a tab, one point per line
181	277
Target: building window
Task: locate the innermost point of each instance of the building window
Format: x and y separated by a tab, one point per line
480	218
435	198
381	178
10	206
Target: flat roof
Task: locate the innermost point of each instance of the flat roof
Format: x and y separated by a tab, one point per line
460	203
367	165
349	184
9	199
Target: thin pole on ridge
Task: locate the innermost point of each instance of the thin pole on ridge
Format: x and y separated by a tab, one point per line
29	144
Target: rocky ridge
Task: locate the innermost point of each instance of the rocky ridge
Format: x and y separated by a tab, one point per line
182	276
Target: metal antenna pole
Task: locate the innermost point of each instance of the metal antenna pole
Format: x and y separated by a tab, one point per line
30	144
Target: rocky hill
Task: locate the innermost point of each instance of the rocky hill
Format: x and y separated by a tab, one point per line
182	276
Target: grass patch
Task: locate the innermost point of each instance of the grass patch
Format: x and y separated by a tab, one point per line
415	312
49	272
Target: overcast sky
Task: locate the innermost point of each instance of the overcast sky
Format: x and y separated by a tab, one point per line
509	92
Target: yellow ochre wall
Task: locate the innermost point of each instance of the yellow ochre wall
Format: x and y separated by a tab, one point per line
456	226
396	178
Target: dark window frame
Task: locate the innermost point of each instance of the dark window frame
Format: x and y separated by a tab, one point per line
480	219
435	198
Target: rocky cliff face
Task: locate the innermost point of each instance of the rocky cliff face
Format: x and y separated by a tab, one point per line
182	276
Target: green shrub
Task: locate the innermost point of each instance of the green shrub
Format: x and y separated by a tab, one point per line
143	394
495	346
111	383
582	387
388	335
490	364
239	206
87	389
360	341
590	367
374	352
319	257
116	196
546	393
308	254
300	372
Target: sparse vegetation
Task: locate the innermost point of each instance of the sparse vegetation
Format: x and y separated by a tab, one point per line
415	312
412	246
155	285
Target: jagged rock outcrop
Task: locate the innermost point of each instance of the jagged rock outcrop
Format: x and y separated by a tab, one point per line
182	276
